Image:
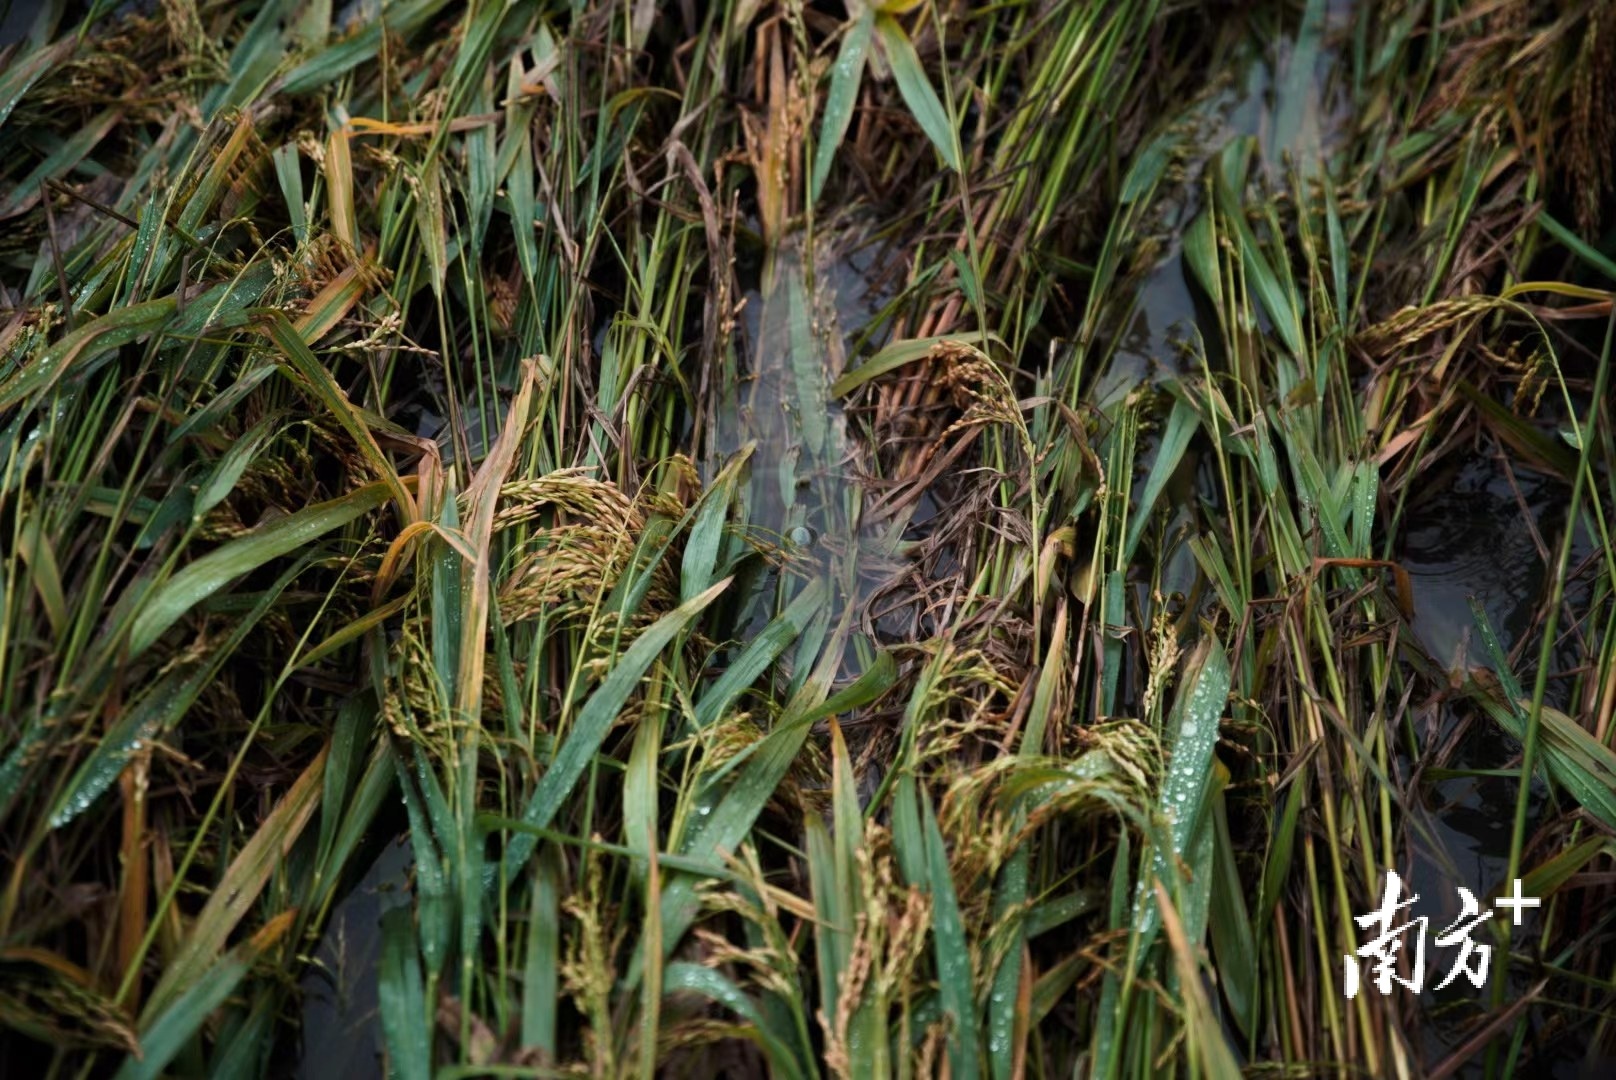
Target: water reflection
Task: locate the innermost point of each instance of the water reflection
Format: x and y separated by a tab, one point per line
1289	99
1467	537
342	1035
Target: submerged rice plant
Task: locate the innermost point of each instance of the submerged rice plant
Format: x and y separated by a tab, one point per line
795	539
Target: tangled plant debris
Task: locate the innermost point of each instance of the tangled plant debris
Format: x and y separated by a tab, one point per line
803	539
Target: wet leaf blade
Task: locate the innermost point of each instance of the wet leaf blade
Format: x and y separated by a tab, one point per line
1196	717
239	888
207	575
596	718
916	89
228	470
846	77
713	985
707	533
1182	423
401	999
116	328
760	652
157	710
169	1030
956	983
317	377
728	823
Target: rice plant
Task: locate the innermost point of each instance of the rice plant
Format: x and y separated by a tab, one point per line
796	539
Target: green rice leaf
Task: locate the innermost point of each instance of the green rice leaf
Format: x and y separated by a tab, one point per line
318	379
707	533
1197	714
236	892
401	1000
542	967
227	472
892	357
21	74
710	984
596	718
159	709
729	818
845	79
94	339
924	105
1232	939
1182	423
760	652
200	579
25	193
332	63
955	979
167	1033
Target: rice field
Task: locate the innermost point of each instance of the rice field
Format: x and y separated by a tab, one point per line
770	538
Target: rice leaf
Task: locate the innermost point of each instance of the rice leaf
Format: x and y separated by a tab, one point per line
200	579
706	534
92	340
166	1033
924	105
596	717
1182	423
401	999
21	74
710	984
956	982
237	891
763	650
317	378
846	77
890	358
26	192
729	818
1197	714
542	967
227	473
156	711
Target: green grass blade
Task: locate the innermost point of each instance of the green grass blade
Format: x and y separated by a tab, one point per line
1197	714
707	532
158	710
1182	423
227	473
710	984
238	890
94	339
846	77
175	1025
202	578
318	379
401	1000
760	652
956	981
596	718
924	104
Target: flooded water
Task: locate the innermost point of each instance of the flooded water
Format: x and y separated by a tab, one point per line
1487	532
1474	529
341	1030
1476	532
15	24
805	313
1290	100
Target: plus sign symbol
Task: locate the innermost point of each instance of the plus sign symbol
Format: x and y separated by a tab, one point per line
1516	903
